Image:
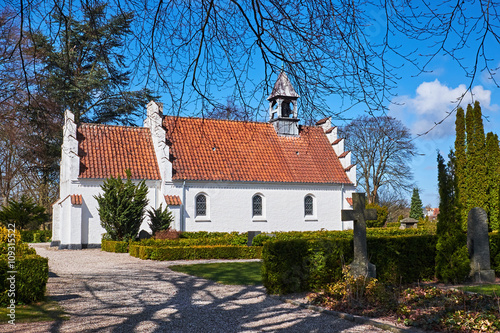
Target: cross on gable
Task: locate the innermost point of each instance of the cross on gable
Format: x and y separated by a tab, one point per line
359	213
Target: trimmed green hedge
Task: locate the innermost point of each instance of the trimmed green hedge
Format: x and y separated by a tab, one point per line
114	246
229	239
495	252
300	265
30	279
29	236
195	252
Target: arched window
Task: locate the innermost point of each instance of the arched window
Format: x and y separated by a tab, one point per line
201	205
257	205
308	205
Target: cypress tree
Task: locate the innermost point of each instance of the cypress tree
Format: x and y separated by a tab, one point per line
460	167
452	258
476	180
416	210
493	175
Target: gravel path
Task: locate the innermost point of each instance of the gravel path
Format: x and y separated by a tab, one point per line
114	292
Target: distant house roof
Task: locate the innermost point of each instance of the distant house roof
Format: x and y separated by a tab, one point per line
209	149
107	151
349	201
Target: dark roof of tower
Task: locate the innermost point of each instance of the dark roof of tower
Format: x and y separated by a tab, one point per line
283	87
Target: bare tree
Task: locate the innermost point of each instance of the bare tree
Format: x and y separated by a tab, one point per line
382	149
230	111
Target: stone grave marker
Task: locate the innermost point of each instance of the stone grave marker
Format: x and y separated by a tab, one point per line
251	235
360	266
478	244
408	223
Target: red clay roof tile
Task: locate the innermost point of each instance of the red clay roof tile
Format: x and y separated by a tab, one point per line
107	151
322	121
76	199
208	149
173	200
344	154
328	131
349	201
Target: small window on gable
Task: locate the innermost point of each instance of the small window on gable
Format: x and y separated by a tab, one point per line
257	205
201	205
308	205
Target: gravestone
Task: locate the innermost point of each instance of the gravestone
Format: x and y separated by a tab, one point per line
478	244
143	234
251	235
408	223
360	266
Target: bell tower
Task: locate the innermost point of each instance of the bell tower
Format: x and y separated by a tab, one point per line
283	107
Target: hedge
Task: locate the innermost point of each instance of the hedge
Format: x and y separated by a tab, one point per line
114	246
30	279
195	252
305	264
29	236
495	252
182	242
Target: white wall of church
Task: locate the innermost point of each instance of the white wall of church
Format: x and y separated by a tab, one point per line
90	231
229	206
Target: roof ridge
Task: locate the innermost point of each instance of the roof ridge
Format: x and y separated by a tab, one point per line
108	125
219	120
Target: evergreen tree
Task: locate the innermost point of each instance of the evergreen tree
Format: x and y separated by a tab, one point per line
452	257
493	174
476	179
121	207
24	214
460	166
84	70
416	210
160	219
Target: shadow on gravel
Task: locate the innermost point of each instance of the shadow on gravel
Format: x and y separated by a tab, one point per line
166	301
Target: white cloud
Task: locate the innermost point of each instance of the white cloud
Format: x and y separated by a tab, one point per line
431	104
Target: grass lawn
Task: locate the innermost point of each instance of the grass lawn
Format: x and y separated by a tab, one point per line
487	289
43	311
240	273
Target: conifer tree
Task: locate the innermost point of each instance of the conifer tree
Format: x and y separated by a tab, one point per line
493	175
416	210
476	180
460	166
121	207
452	258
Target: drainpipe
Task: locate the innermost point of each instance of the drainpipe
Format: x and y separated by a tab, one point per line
182	222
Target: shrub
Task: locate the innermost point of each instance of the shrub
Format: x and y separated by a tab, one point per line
308	264
28	235
160	219
24	214
114	246
30	279
121	207
382	213
197	252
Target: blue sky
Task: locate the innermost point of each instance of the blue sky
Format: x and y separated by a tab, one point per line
427	99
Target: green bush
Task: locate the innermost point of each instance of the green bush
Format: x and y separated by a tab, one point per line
25	214
382	213
160	219
221	239
114	246
30	279
196	252
308	264
121	207
28	235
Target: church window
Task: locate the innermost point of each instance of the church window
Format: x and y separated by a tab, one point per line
201	205
308	205
257	205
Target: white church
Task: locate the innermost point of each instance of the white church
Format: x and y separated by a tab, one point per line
214	175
